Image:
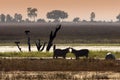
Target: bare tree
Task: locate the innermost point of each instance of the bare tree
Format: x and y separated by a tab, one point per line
27	32
17	43
39	46
52	37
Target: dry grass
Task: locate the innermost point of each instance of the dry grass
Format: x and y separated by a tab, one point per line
58	65
58	75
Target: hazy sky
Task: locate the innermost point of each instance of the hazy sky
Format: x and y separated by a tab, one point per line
104	9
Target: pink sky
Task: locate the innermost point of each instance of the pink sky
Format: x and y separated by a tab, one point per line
104	9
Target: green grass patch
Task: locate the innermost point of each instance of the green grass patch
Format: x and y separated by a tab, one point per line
26	54
102	54
92	54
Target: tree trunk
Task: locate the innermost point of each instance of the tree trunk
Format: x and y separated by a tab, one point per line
38	45
17	43
52	37
29	44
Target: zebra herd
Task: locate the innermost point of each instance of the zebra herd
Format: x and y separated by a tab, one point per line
77	53
62	53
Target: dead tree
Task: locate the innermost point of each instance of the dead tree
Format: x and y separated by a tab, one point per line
39	46
17	43
28	37
52	37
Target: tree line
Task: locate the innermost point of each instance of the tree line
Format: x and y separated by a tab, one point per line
52	16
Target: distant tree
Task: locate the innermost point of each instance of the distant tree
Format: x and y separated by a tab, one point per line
17	17
56	20
57	15
84	21
2	18
8	18
41	20
77	19
31	12
27	20
118	17
92	16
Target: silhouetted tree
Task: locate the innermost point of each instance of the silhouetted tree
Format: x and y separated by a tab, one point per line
57	15
118	17
29	13
27	20
32	13
52	37
8	18
2	18
41	20
92	16
17	43
77	19
39	46
27	32
17	17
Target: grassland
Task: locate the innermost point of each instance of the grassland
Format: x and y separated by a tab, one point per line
92	54
31	63
58	65
59	75
70	34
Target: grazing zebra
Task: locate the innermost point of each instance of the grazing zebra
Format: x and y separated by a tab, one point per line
80	53
60	53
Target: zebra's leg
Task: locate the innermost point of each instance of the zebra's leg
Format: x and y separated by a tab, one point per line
87	56
64	57
56	57
76	57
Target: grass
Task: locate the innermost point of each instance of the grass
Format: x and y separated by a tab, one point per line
58	75
34	68
58	65
92	54
94	63
26	54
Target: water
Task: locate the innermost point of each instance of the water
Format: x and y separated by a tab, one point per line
33	48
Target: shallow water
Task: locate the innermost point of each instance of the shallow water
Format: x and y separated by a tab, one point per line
33	48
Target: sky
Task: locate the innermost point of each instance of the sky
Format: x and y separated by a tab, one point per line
104	9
